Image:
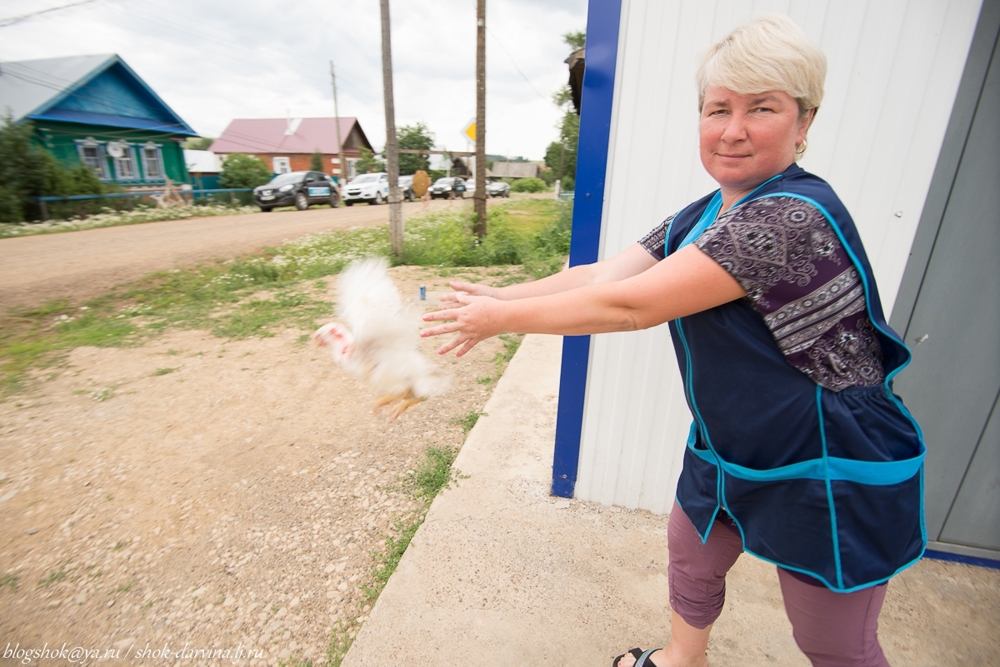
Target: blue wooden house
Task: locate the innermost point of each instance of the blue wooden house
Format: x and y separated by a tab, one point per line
95	110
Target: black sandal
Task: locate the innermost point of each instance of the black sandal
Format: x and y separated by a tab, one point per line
641	657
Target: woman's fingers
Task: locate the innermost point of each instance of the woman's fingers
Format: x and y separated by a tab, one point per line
475	289
468	320
449	300
453	300
451	345
436	315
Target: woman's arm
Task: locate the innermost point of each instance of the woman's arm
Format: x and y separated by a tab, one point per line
631	261
684	283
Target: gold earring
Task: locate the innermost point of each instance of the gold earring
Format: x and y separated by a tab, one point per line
801	148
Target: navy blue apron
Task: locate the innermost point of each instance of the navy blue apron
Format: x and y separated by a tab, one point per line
829	484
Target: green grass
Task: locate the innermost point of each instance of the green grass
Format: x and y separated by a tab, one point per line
511	342
434	474
54	577
9	580
467	421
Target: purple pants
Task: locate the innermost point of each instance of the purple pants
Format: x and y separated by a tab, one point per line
832	629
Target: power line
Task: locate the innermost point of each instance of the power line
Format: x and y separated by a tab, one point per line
24	17
497	39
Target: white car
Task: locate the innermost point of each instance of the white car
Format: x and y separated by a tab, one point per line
371	188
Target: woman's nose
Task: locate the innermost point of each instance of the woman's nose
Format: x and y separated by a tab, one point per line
735	129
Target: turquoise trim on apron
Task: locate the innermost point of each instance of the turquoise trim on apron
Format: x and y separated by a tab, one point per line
873	473
711	212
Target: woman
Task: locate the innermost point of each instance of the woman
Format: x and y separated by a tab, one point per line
799	452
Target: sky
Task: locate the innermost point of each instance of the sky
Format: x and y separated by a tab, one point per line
215	60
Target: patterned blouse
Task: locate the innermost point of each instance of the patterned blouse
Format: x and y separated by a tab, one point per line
797	275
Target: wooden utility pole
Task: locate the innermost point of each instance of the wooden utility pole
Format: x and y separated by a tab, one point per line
480	196
342	172
391	147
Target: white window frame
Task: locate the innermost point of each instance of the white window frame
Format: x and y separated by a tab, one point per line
352	167
126	166
101	168
282	165
155	160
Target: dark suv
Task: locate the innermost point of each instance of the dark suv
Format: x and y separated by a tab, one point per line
298	189
451	187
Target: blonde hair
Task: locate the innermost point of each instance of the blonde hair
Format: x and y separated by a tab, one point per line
768	53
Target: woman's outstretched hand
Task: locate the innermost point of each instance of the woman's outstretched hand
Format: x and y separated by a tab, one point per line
460	286
474	318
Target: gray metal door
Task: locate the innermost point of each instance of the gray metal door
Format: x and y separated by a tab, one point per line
949	315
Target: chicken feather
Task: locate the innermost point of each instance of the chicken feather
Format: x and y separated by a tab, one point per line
375	338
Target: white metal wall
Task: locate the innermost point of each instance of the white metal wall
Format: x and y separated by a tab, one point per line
893	71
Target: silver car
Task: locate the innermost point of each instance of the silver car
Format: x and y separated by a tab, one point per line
498	189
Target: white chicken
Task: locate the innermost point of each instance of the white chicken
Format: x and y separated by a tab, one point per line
376	338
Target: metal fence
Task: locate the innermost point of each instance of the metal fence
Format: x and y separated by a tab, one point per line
189	196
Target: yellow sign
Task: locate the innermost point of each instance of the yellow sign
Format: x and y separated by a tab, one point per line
470	130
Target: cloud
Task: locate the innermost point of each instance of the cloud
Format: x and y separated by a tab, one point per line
215	61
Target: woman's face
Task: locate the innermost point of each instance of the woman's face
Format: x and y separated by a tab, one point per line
747	139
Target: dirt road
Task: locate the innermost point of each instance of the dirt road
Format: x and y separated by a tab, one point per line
85	264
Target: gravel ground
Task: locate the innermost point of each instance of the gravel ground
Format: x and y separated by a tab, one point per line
202	494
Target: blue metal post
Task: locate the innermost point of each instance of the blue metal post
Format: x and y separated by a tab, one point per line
603	17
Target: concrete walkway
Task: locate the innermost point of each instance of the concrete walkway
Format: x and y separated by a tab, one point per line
501	573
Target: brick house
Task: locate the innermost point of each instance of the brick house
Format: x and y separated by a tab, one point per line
288	144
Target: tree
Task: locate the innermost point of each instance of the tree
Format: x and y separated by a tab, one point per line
28	170
316	162
531	184
413	137
369	163
198	143
243	171
560	156
575	40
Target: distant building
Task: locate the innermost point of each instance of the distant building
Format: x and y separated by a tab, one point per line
517	169
288	144
95	110
204	168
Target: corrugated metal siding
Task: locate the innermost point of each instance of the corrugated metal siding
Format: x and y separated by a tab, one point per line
894	68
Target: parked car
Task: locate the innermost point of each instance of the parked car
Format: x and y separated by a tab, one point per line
372	188
498	189
470	187
406	185
299	189
448	187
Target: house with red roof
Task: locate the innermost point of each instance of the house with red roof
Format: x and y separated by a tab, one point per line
288	144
